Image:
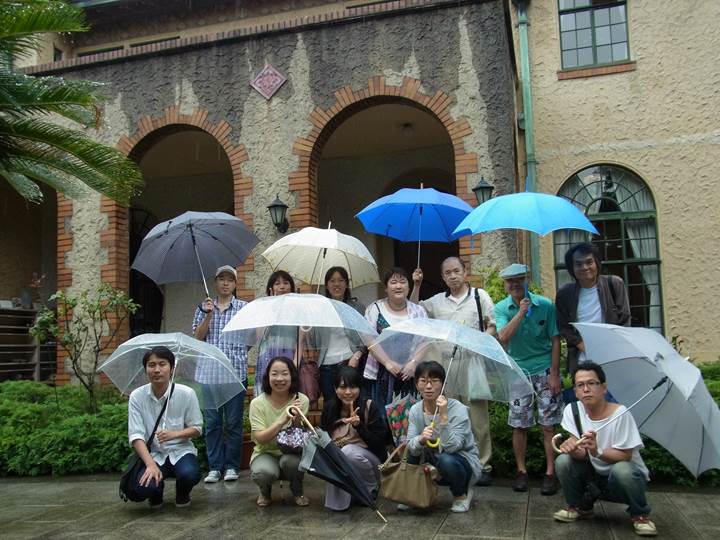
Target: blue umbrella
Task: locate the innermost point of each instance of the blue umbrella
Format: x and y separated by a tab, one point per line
415	215
537	212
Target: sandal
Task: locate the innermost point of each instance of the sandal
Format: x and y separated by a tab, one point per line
301	500
263	501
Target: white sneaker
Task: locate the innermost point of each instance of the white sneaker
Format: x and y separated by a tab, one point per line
212	477
230	475
463	505
403	507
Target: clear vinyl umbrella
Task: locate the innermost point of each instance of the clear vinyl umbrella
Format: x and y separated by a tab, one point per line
198	364
477	366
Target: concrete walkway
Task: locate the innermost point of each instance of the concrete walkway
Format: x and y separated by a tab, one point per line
88	507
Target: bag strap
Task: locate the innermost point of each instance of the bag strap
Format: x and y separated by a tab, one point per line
148	443
481	326
578	423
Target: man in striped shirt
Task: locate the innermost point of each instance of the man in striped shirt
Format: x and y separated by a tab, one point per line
224	452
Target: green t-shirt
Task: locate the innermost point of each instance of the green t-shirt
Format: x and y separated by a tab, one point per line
263	415
531	346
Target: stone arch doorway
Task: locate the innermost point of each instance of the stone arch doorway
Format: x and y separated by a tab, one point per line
185	168
386	126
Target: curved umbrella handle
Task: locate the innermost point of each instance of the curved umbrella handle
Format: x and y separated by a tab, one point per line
556	446
430	443
304	419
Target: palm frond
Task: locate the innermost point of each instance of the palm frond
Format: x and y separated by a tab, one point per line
67	184
22	22
27	189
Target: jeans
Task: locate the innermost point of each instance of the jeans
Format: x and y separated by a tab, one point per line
266	469
224	446
186	472
454	470
625	484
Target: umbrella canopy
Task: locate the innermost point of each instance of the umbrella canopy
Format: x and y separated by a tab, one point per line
307	253
304	311
537	212
682	415
193	245
414	215
481	368
198	364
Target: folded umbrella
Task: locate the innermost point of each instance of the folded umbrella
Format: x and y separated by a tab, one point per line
306	253
537	212
198	364
193	245
681	415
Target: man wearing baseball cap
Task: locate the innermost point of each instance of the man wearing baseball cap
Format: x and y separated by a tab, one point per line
224	452
527	328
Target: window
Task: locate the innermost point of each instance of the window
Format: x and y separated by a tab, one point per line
622	209
593	32
57	54
99	51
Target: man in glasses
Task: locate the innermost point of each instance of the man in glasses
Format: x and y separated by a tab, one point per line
591	298
601	459
527	328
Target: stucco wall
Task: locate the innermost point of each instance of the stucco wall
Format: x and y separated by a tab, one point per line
473	65
659	120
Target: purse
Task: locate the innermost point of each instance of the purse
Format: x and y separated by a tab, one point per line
126	490
406	483
291	440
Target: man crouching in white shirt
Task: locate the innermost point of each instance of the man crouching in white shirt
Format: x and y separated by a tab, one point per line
171	453
607	463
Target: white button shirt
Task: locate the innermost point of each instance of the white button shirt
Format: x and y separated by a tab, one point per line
183	411
462	310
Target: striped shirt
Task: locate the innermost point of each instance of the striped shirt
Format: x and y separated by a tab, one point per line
227	343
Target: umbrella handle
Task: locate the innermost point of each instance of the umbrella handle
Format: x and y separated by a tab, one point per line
292	408
431	443
556	445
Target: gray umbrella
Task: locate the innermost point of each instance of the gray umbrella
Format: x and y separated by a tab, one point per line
193	245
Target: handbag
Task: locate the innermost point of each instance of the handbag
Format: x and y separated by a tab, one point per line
308	379
407	483
291	440
126	489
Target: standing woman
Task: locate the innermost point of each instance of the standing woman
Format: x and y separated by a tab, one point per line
278	341
387	377
359	429
334	345
269	414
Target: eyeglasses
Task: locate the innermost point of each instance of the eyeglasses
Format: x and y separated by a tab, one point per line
425	382
591	385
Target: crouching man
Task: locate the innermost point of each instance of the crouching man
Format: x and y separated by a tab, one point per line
171	454
607	463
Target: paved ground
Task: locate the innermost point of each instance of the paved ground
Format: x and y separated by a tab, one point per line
88	507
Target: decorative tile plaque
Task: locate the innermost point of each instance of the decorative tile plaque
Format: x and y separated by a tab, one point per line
268	81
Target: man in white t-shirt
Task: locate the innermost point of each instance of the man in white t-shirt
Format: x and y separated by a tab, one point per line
472	307
598	460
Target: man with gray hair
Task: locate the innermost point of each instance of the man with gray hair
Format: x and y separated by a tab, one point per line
472	307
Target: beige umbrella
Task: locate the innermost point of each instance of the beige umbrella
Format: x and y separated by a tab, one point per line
307	253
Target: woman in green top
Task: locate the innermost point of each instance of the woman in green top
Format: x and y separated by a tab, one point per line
268	416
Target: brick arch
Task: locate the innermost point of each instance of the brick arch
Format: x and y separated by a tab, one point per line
304	180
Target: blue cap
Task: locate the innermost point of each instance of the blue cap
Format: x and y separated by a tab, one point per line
514	270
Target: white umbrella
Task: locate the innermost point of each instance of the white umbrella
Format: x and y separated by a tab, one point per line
198	364
681	415
310	251
303	311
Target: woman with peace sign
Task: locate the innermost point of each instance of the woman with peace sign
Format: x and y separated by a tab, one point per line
358	427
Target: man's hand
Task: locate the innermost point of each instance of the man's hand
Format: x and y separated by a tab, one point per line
152	472
428	434
208	306
165	435
393	368
417	276
569	446
555	384
408	371
355	359
524	306
590	442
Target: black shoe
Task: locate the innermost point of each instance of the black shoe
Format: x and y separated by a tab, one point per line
521	482
485	479
550	485
156	501
182	501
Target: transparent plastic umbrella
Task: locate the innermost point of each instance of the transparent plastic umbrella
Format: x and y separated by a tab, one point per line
198	364
307	312
480	368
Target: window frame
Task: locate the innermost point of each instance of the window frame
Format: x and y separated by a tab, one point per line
594	6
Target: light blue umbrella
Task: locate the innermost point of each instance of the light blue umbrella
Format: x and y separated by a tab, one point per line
680	415
415	215
537	212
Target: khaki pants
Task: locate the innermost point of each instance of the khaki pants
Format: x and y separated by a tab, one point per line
266	469
480	420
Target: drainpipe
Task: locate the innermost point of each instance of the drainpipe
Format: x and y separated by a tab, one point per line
527	124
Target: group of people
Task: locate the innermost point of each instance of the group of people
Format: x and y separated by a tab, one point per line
356	386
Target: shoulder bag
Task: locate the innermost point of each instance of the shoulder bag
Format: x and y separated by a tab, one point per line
406	483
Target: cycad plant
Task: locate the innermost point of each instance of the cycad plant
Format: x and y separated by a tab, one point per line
34	146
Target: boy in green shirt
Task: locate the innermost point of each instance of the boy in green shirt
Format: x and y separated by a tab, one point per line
527	328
